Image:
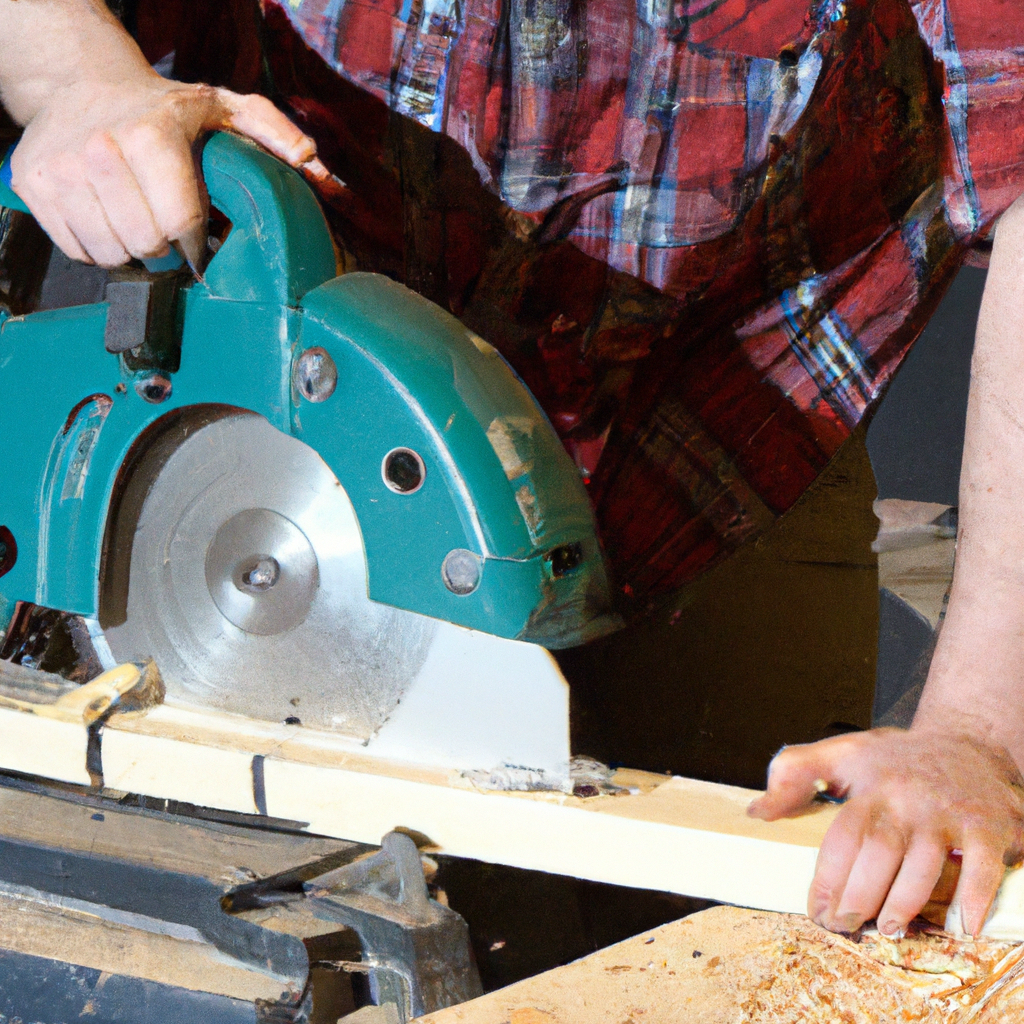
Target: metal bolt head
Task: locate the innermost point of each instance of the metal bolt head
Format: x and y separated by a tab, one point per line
461	571
315	375
262	575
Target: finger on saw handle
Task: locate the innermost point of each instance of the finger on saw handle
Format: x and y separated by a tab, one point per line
258	118
164	167
981	873
796	776
164	164
916	881
85	217
208	108
39	195
838	854
871	876
122	200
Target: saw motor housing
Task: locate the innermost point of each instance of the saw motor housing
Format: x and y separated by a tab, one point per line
438	444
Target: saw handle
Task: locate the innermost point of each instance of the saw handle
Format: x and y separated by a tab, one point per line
12	201
279	246
8	197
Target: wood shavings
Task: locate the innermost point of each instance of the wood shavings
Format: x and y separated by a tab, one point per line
728	965
926	977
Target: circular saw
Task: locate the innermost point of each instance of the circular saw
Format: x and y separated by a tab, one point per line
310	498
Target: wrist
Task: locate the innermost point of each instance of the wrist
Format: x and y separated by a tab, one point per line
94	50
1000	732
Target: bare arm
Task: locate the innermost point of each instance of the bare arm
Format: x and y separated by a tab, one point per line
953	781
106	162
977	674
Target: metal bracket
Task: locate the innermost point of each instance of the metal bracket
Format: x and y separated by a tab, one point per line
415	952
141	318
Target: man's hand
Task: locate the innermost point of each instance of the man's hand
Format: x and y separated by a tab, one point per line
953	781
106	162
912	798
108	170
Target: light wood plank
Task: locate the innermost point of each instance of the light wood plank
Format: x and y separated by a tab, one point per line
671	834
51	747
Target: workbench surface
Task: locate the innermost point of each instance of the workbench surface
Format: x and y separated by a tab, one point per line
727	965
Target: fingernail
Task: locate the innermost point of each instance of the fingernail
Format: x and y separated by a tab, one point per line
193	247
846	923
891	930
955	919
317	170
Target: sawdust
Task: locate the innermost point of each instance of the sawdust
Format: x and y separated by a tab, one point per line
727	965
927	977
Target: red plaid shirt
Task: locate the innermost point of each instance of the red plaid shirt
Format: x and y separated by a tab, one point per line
705	232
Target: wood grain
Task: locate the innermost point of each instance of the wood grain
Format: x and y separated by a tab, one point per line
670	834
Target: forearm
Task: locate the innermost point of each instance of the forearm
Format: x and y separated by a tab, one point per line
976	682
49	45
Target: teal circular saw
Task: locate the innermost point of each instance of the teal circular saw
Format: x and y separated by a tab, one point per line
310	498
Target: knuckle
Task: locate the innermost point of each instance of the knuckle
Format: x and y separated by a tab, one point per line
256	105
823	891
143	136
100	149
200	90
146	243
62	170
178	104
780	762
181	224
109	256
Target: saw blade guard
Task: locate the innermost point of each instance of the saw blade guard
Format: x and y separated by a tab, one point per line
469	508
493	528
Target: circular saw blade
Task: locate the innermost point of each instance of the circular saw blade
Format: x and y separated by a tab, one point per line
248	587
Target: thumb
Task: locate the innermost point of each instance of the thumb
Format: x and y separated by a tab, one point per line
795	777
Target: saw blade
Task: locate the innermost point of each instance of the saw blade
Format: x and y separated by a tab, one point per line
247	587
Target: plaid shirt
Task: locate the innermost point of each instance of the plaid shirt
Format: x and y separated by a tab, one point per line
706	232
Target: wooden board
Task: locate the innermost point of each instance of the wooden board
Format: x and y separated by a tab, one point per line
669	834
726	966
44	746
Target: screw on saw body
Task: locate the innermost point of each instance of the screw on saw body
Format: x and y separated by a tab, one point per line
263	575
316	375
461	571
564	559
8	551
403	471
154	389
